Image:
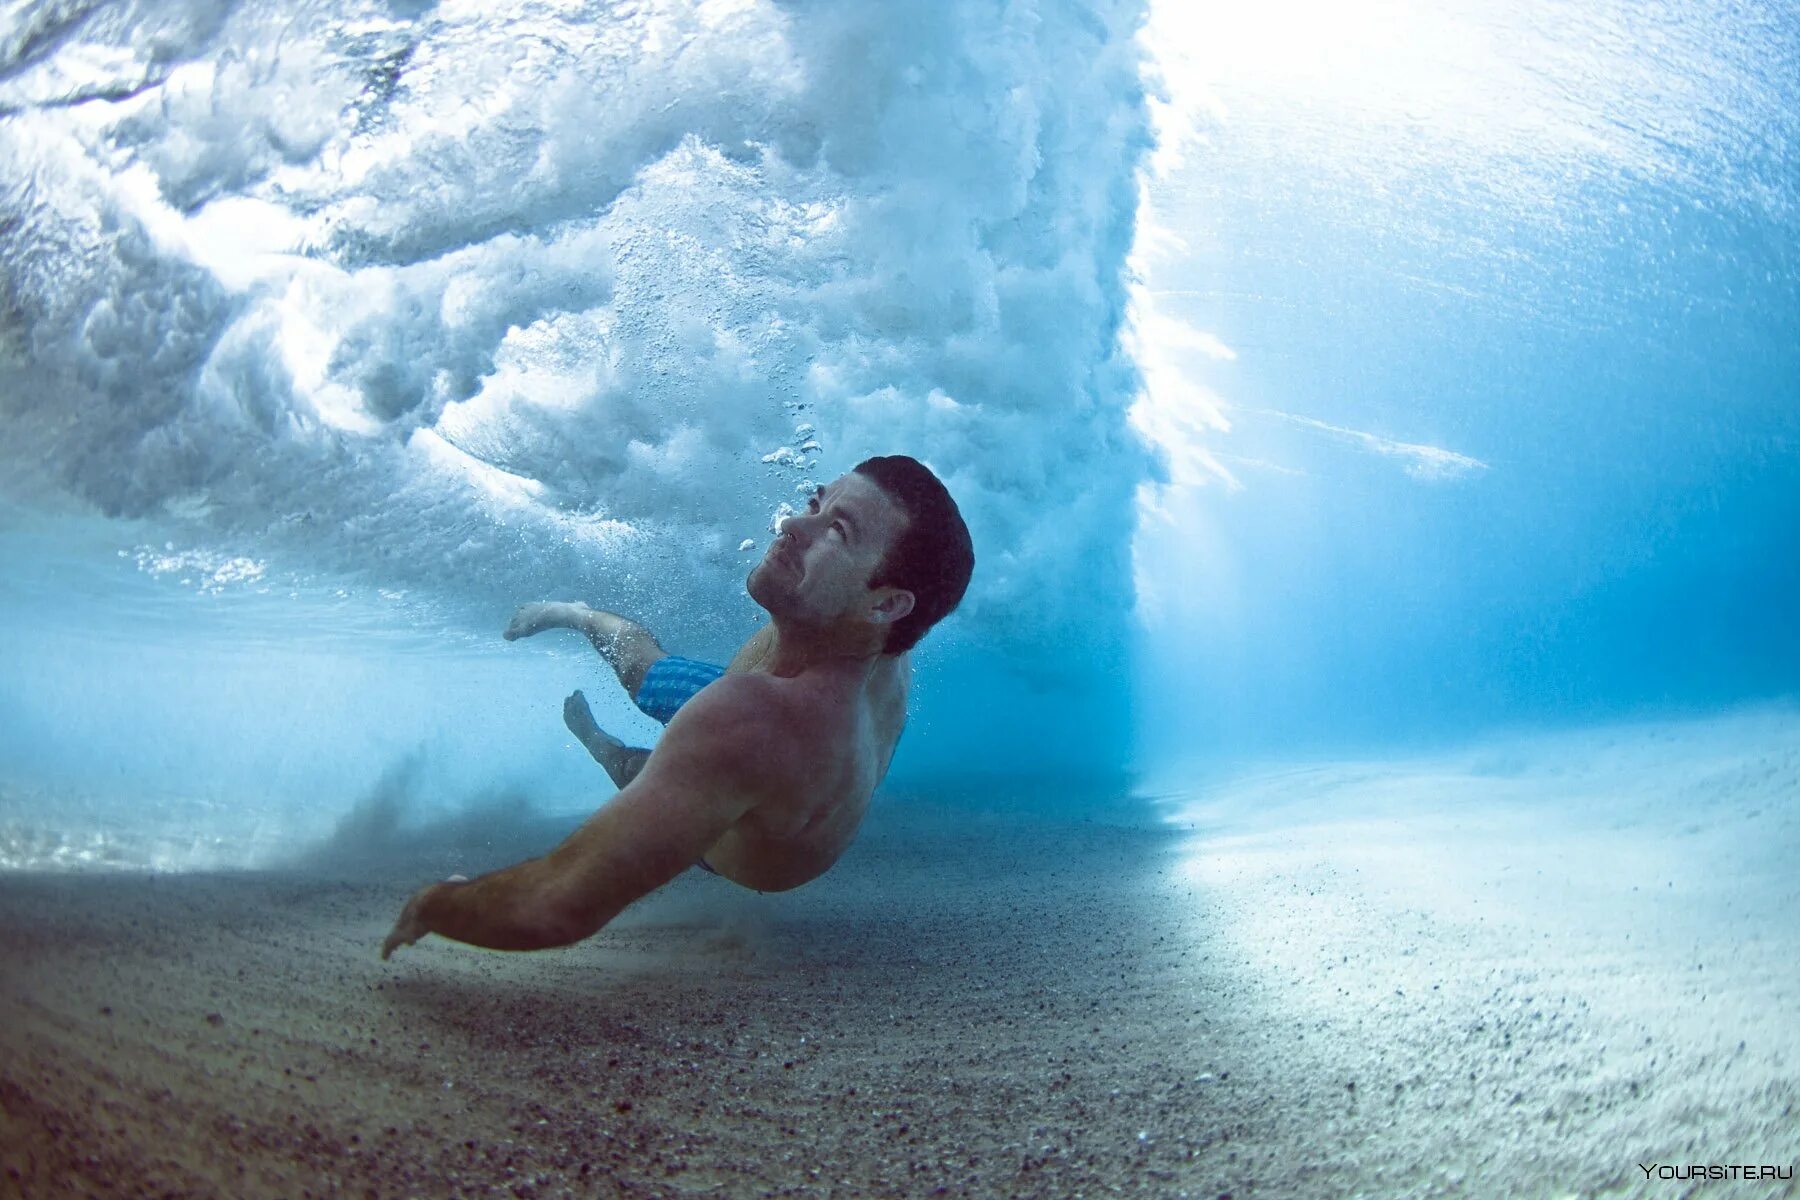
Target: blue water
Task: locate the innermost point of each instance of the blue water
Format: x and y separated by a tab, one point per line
1313	380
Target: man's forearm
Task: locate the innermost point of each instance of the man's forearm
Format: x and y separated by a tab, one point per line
513	909
690	793
563	897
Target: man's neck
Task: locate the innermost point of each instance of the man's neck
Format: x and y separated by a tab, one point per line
797	649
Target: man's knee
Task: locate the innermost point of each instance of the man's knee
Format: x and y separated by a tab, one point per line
635	651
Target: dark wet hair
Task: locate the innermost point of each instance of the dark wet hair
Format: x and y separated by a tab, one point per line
933	556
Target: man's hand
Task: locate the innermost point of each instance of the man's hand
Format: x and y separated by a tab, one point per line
411	926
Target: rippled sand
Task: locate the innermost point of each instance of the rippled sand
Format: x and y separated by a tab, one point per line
1520	970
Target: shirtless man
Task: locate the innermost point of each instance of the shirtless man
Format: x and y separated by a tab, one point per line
766	770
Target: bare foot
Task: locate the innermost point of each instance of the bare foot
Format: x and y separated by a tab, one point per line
622	762
580	719
548	614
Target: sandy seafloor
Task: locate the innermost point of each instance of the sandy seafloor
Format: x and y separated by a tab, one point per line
1519	969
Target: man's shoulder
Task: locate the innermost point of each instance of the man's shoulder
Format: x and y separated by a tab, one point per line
738	730
744	700
736	716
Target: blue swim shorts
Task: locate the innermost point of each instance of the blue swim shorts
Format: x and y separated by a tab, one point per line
671	682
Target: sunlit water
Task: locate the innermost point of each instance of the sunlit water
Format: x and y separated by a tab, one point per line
1477	333
1315	380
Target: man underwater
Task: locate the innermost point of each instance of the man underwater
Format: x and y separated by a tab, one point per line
767	766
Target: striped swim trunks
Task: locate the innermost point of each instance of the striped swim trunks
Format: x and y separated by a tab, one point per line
671	682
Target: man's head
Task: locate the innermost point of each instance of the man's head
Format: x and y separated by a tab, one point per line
882	550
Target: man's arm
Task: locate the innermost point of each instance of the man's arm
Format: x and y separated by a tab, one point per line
710	768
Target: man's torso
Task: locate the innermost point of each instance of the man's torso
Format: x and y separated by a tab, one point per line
845	730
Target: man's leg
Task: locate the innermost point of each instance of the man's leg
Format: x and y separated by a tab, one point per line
628	647
622	762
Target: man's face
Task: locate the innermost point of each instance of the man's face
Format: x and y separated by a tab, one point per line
818	569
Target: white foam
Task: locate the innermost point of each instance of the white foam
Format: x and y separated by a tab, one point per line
400	295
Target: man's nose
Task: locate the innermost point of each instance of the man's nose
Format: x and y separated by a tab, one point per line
795	526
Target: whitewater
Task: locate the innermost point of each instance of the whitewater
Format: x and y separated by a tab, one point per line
1366	762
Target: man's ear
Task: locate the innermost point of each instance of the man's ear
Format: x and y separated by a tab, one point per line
894	604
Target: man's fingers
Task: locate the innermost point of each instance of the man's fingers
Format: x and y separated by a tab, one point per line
410	928
407	930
